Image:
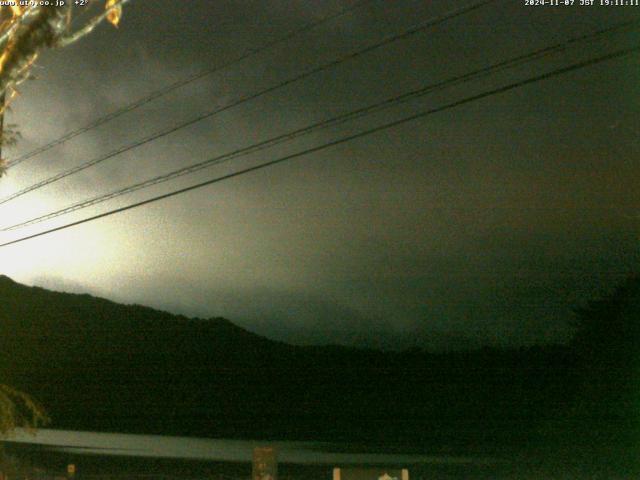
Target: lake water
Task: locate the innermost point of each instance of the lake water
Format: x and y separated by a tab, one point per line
144	457
311	453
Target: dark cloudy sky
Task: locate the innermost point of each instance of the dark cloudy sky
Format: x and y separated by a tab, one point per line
484	224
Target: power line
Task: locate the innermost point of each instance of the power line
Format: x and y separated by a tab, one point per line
361	112
472	98
186	81
246	98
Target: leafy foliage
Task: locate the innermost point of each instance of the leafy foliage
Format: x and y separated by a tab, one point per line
17	409
27	30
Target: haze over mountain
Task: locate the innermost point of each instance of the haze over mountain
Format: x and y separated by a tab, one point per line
99	365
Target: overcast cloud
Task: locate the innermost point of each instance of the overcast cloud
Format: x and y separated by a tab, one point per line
484	224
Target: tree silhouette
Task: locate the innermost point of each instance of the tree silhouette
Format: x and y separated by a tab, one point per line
17	409
607	341
25	31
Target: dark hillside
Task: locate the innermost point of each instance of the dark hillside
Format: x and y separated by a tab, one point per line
98	365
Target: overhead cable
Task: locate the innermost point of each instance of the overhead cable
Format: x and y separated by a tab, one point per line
370	131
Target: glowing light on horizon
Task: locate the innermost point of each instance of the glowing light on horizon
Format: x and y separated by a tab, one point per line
75	252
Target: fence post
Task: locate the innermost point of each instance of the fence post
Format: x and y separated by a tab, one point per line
265	464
